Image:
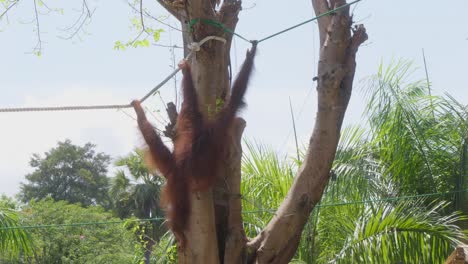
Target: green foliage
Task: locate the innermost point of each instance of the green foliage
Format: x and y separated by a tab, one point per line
135	192
219	104
146	36
118	45
13	241
6	3
147	250
405	232
398	231
420	138
106	243
385	231
166	252
68	172
265	182
213	110
8	202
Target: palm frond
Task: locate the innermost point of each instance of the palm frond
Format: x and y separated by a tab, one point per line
13	241
401	233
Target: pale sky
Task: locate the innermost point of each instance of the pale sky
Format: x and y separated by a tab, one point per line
89	71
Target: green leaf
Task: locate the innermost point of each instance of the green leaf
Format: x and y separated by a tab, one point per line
136	23
157	35
145	43
119	46
140	43
13	241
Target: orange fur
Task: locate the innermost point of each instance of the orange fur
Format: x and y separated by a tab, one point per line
195	160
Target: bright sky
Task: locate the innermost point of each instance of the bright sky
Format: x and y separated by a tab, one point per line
89	71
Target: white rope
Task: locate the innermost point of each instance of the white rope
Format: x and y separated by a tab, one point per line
62	108
194	47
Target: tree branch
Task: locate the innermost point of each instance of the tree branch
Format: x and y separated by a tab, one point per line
7	9
142	21
174	7
169	130
278	242
228	15
38	48
320	7
200	9
79	23
148	15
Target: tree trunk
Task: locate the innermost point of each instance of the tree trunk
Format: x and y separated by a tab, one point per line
278	242
212	224
461	197
459	256
216	233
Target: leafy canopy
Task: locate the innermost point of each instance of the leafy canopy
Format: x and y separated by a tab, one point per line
108	242
68	172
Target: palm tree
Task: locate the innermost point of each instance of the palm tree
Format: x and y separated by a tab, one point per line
375	208
364	217
403	232
14	241
361	218
135	192
265	182
416	144
421	138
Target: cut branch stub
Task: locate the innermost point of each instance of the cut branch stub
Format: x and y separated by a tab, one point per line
169	130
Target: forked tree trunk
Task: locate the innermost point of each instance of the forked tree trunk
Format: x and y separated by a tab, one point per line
215	231
210	226
278	242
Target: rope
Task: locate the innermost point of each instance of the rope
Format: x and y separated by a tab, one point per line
228	30
62	108
309	20
194	47
244	212
155	89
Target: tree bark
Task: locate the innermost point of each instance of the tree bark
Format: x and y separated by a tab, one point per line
459	256
212	223
234	235
278	242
